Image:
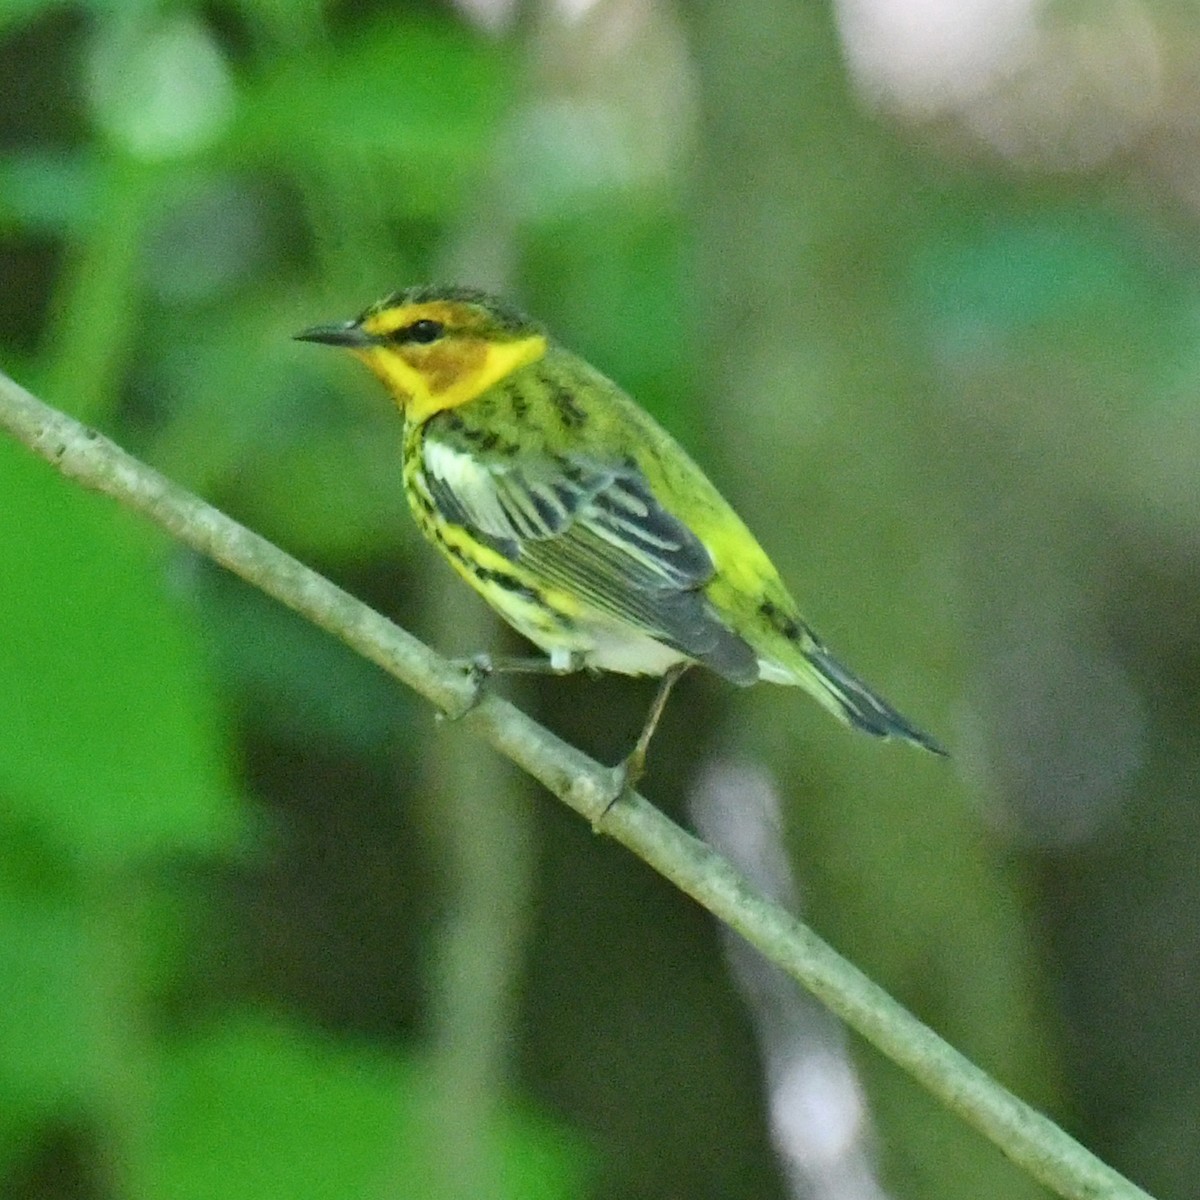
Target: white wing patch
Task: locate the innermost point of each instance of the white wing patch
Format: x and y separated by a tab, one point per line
496	497
457	469
472	486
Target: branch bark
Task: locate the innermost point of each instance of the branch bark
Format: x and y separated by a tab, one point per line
1025	1135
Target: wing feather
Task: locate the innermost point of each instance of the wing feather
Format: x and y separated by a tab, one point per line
596	530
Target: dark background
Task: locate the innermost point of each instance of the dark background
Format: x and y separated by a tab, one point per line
918	286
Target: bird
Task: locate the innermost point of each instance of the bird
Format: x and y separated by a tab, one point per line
579	518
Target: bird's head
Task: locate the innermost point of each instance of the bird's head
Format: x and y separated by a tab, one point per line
437	347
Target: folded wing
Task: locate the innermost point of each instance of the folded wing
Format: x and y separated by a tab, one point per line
597	531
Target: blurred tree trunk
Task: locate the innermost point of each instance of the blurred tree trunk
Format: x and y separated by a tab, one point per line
807	211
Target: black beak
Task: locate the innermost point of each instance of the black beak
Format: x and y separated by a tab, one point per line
349	336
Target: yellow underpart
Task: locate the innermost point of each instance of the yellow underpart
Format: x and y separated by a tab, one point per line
538	619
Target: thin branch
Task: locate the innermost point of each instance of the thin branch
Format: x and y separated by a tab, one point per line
1025	1135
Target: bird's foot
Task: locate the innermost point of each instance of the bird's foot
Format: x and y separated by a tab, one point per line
478	669
622	778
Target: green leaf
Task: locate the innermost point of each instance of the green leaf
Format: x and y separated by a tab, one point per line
416	98
264	1110
44	1016
112	743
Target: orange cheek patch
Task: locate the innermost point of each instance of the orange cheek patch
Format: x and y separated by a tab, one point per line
443	365
430	379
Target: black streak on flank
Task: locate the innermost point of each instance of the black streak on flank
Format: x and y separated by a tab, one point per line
502	546
788	627
510	583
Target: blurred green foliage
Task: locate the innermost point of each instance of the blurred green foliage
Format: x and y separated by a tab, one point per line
266	929
160	192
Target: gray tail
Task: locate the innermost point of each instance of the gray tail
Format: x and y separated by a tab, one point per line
848	697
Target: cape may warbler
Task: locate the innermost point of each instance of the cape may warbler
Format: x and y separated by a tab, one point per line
580	520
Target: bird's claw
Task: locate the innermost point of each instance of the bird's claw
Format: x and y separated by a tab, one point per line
478	669
479	666
623	778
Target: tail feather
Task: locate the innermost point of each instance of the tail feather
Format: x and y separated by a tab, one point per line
849	698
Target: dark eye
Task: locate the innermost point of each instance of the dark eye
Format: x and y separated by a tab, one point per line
422	332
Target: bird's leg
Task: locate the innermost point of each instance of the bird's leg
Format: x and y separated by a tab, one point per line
480	667
485	664
627	773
